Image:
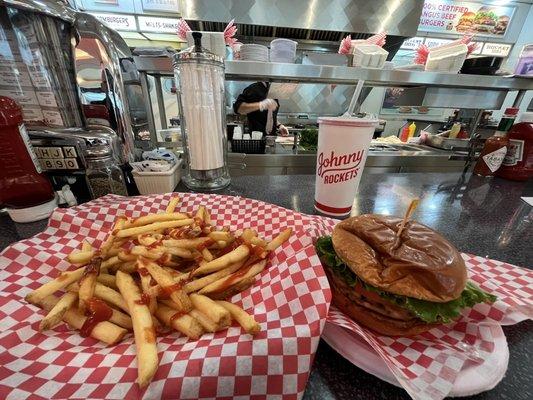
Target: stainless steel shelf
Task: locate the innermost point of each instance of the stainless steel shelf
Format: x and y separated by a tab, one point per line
279	72
372	77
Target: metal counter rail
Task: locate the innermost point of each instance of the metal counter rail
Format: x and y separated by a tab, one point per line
432	160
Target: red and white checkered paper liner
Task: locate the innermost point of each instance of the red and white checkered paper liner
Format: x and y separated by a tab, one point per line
427	365
290	300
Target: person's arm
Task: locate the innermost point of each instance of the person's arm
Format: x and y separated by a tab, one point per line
246	108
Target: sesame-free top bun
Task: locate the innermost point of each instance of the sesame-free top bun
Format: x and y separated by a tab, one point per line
423	265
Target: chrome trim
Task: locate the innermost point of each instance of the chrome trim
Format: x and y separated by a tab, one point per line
117	49
56	9
429	160
92	135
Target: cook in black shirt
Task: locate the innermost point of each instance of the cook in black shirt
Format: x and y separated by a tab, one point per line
260	111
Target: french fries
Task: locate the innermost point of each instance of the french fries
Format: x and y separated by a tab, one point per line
183	323
221	236
244	319
167	269
152	218
153	227
207	324
167	283
216	313
88	282
185	243
240	253
62	281
150	297
206	254
200	213
143	329
80	257
172	204
279	240
86	246
110	296
234	279
56	314
104	331
198	284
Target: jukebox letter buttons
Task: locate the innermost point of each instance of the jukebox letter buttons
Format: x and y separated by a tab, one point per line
44	152
55	152
38	151
59	164
71	163
70	152
47	163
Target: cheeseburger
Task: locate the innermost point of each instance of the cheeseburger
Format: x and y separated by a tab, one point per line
466	22
396	286
501	25
485	20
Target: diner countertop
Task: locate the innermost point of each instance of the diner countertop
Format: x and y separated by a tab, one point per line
481	216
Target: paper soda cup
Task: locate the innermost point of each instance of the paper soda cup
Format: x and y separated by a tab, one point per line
343	144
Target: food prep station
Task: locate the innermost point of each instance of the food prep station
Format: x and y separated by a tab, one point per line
431	89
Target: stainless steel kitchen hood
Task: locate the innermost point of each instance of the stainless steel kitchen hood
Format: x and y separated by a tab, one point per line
303	20
397	17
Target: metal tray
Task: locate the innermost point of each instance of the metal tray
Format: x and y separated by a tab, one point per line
442	142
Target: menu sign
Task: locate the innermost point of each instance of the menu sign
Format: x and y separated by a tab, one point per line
117	21
160	25
434	42
161	5
412	43
126	6
457	17
496	49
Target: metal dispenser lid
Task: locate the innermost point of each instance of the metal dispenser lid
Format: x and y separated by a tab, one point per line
98	151
197	53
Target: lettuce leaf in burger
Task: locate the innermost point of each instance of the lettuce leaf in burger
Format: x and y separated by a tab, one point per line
396	286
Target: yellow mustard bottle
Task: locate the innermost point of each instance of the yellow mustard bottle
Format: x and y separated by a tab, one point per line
412	129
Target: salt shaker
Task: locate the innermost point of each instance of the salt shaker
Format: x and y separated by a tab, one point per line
200	89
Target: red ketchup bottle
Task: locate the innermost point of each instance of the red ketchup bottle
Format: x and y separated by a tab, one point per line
518	162
22	185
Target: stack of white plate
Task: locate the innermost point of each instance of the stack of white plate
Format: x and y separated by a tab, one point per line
283	50
254	52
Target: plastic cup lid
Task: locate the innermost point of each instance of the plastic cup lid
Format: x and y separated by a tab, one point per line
348	121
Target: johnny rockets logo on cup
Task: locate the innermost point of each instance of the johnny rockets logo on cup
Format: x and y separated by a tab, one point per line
342	168
343	144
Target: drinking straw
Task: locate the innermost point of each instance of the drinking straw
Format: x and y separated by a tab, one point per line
356	94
